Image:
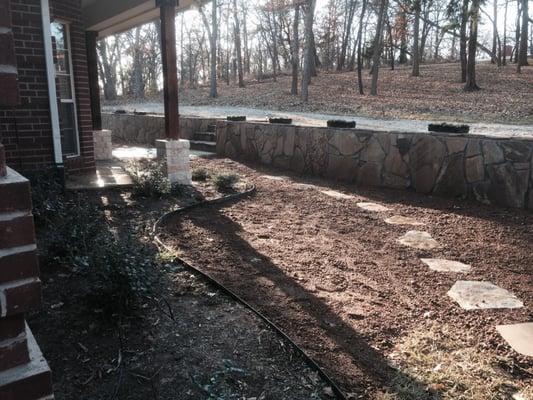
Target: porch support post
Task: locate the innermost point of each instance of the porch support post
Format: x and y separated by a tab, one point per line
170	69
94	87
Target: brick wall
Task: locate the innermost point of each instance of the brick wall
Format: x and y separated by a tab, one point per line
8	62
24	373
25	130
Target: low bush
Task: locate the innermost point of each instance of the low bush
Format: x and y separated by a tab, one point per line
74	235
225	182
200	174
149	179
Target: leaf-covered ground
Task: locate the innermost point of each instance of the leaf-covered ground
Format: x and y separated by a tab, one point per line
506	97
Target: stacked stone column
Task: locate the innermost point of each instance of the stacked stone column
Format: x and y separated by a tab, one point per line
24	373
175	153
103	145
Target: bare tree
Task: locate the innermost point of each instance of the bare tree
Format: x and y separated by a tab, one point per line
295	59
107	70
308	49
471	84
349	9
463	40
376	56
238	50
416	38
359	49
212	33
522	50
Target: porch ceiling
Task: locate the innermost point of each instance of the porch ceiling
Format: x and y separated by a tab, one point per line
113	16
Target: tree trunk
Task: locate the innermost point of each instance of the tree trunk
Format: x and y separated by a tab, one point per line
295	50
308	50
522	51
416	40
471	84
137	72
504	46
107	71
238	44
403	36
359	50
463	40
377	48
315	61
346	34
212	32
494	27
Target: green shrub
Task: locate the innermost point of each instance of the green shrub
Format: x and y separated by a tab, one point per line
200	174
75	235
225	182
149	179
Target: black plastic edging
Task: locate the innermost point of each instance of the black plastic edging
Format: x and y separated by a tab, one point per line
310	362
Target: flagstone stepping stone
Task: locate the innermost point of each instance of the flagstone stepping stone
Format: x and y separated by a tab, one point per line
337	195
305	186
419	240
374	207
519	337
274	177
442	265
400	220
475	295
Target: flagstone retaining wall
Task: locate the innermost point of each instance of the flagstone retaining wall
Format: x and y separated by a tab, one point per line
491	170
146	129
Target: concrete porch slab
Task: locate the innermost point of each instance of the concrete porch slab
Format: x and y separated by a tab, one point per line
108	175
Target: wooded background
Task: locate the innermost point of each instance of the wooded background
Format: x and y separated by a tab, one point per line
235	41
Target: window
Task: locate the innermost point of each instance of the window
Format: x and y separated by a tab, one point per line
68	120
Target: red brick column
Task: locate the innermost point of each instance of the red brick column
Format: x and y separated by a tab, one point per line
24	373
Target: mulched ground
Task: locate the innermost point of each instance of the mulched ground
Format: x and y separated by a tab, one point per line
335	279
506	97
183	340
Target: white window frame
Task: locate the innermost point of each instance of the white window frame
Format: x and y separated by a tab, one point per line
72	101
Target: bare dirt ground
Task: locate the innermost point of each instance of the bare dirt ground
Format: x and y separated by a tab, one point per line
366	308
182	340
507	97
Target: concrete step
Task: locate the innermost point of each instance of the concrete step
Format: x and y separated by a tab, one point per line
29	381
205	137
203	146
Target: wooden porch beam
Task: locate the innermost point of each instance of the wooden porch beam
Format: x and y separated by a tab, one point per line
94	87
170	68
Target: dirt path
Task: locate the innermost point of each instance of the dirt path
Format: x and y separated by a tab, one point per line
335	279
182	339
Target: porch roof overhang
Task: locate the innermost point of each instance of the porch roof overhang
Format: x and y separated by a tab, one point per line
107	17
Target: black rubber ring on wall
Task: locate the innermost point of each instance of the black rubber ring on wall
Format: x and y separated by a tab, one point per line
309	361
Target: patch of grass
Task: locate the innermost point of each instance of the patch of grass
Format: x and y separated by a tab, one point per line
200	174
225	183
445	365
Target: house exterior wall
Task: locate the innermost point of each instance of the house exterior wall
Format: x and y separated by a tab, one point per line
26	128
